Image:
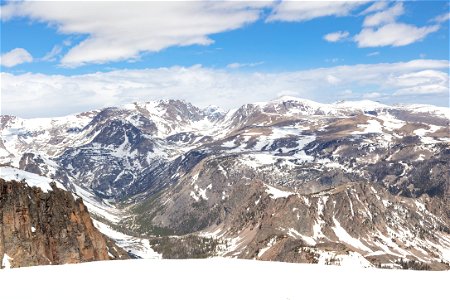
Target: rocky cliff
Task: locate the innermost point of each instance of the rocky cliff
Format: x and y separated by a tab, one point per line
47	227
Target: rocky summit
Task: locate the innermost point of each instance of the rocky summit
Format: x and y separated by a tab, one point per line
45	224
349	183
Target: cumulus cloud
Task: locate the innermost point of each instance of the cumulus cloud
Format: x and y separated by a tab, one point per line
298	11
384	17
380	26
124	30
32	95
336	36
382	29
395	34
121	31
15	57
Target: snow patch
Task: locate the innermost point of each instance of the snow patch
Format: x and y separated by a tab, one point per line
423	133
271	242
258	160
277	193
6	261
391	123
33	180
345	237
229	144
295	234
137	246
96	207
372	126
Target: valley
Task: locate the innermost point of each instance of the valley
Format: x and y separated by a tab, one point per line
292	180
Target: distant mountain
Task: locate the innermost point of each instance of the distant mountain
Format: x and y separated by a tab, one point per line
289	179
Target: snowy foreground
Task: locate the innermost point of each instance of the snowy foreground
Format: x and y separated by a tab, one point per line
217	278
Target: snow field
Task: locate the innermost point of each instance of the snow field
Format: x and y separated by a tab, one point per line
8	173
217	278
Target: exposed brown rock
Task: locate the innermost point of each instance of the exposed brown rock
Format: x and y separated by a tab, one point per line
39	228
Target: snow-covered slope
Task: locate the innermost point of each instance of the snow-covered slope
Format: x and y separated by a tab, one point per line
297	170
137	247
33	180
221	279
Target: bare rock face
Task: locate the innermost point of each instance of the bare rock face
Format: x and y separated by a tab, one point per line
40	228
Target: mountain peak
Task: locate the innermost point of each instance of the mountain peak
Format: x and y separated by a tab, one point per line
335	166
290	99
287	98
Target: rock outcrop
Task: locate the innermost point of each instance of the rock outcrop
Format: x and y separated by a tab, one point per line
41	228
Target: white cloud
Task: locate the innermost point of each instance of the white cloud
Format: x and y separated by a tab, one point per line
15	57
395	34
331	79
336	36
346	93
333	60
430	89
43	95
298	11
426	82
420	78
442	18
288	93
372	95
375	53
385	17
124	30
376	6
243	65
52	54
382	29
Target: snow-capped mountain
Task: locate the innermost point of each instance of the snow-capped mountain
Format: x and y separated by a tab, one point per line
289	179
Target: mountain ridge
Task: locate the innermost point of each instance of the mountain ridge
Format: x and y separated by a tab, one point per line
169	167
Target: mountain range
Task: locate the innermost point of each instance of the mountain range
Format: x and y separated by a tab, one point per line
359	183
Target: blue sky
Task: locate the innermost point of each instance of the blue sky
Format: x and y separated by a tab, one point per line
233	41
